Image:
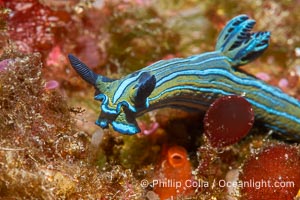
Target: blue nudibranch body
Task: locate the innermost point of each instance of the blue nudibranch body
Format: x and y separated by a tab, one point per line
195	82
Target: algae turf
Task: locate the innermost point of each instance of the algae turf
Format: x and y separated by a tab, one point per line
32	122
26	106
42	154
136	32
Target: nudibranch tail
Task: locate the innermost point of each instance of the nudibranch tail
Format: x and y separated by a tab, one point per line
239	44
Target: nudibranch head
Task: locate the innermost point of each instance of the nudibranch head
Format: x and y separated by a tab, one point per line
121	99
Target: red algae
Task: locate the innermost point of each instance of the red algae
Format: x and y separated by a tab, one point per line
55	57
283	83
4	64
263	76
52	84
175	174
228	120
274	174
35	26
148	129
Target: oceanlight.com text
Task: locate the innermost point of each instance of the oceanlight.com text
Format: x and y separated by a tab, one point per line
257	184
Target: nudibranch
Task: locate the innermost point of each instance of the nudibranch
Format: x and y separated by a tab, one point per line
195	82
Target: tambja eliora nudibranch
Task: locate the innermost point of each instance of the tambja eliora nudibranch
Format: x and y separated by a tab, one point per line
193	83
175	175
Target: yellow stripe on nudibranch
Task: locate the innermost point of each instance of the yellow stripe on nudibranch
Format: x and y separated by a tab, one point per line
195	82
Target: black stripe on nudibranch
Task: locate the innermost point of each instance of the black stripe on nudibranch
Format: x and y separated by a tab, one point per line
242	34
144	87
231	26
